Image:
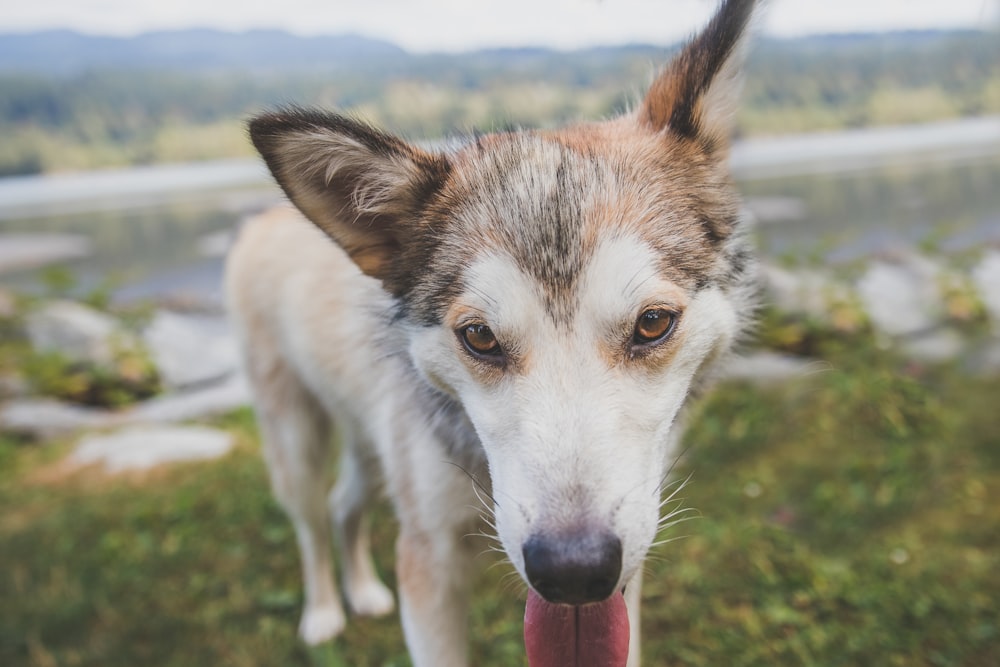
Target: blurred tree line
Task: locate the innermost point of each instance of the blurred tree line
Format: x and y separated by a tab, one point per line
121	115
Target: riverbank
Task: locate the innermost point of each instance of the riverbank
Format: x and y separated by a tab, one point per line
869	148
828	152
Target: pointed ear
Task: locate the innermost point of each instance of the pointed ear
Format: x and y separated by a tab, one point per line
696	96
362	187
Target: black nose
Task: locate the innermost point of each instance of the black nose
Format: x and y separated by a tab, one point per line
573	569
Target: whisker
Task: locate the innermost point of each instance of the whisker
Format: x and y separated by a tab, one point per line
679	512
673	465
680	486
675	510
512	582
671	524
476	483
668	540
654	557
498	562
489	520
675	504
489	537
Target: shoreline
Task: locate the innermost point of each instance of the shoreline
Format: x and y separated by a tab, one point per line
751	159
867	148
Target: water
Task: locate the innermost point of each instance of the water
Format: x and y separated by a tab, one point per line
828	198
172	246
946	207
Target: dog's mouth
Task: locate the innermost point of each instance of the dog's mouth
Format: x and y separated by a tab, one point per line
590	635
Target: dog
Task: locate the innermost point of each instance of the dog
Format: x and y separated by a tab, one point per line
529	309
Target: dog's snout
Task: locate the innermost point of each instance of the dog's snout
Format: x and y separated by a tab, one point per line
573	569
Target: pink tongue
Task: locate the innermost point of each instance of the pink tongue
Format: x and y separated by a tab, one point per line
593	635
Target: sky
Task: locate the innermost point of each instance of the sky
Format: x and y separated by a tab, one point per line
457	25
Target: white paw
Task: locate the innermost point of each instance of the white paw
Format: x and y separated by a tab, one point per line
321	624
371	599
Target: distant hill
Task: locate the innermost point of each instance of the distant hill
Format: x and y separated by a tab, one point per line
71	101
67	52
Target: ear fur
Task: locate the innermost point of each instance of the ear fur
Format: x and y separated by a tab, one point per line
695	97
359	185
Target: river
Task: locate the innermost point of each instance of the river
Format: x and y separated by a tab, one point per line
835	197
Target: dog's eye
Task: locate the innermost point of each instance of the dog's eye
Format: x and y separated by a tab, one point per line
480	341
653	325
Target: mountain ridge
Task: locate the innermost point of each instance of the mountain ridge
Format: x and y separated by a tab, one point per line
61	51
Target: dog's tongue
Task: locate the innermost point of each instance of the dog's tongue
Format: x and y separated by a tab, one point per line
593	635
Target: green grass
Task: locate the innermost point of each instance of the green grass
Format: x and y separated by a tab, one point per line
849	518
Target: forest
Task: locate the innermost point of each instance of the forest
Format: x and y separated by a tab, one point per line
190	103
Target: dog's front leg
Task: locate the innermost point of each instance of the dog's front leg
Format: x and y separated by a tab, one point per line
633	600
437	511
433	572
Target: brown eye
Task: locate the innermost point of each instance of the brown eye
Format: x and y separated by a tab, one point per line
480	341
653	326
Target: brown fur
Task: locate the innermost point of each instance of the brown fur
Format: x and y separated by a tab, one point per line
557	240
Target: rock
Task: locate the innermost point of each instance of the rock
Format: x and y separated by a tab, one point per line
13	385
47	418
806	292
190	350
205	402
77	332
8	304
985	359
216	244
29	251
934	346
145	447
986	280
767	210
903	296
764	367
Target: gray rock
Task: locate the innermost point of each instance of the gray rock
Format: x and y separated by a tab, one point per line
903	297
934	346
145	447
985	359
765	368
191	349
805	292
77	332
209	401
47	418
8	303
13	385
29	251
986	280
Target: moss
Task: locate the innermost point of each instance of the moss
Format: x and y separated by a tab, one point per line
130	377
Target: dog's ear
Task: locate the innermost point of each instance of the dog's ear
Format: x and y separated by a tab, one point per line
695	97
362	187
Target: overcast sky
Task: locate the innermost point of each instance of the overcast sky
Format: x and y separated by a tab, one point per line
453	25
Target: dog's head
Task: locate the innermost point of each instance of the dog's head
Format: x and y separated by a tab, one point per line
565	287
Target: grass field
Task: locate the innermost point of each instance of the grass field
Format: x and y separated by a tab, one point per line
847	518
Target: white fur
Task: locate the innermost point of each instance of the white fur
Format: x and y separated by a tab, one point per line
571	421
574	419
558	242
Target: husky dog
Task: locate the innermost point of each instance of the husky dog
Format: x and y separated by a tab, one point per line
530	310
